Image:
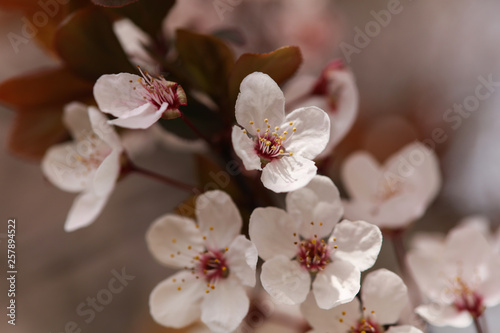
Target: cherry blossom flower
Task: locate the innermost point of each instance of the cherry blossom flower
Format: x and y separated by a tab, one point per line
395	194
282	147
217	263
298	245
138	102
90	164
383	296
460	279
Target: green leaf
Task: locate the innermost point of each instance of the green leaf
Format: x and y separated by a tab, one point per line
147	14
88	45
113	3
207	60
280	65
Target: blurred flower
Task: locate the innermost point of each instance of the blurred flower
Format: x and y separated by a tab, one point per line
299	243
395	194
282	147
460	278
217	263
383	297
90	164
336	93
138	102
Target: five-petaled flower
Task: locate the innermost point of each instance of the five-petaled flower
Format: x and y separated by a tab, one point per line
138	102
298	244
459	277
217	263
282	147
393	195
90	164
383	296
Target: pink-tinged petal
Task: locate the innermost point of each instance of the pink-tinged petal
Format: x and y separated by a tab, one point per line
272	231
312	131
318	202
403	329
244	147
288	173
76	119
419	166
143	117
242	260
285	280
225	307
85	209
107	174
337	284
176	302
361	175
174	241
489	288
427	269
62	168
219	219
329	320
103	129
118	93
259	98
384	293
357	242
444	315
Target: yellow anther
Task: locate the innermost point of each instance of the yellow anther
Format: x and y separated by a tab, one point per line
258	129
179	288
251	122
281	151
204	237
174	240
172	255
290	153
244	131
189	247
335	246
291	123
266	120
276	128
294	129
211	228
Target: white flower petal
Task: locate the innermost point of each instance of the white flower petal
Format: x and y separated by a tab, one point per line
224	308
403	329
444	315
115	93
244	147
107	174
76	119
219	219
285	280
361	175
357	242
259	98
271	230
384	293
426	268
288	173
174	307
313	131
318	202
329	320
489	288
103	129
337	284
174	241
144	117
85	209
61	167
242	260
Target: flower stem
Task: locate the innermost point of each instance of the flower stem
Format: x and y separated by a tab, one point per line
396	237
164	179
195	129
477	325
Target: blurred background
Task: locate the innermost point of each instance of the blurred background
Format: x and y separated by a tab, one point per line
429	57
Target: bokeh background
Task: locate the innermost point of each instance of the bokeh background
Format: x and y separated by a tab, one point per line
427	58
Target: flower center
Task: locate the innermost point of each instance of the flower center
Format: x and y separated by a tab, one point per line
158	91
212	265
314	255
270	144
366	326
89	152
466	299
